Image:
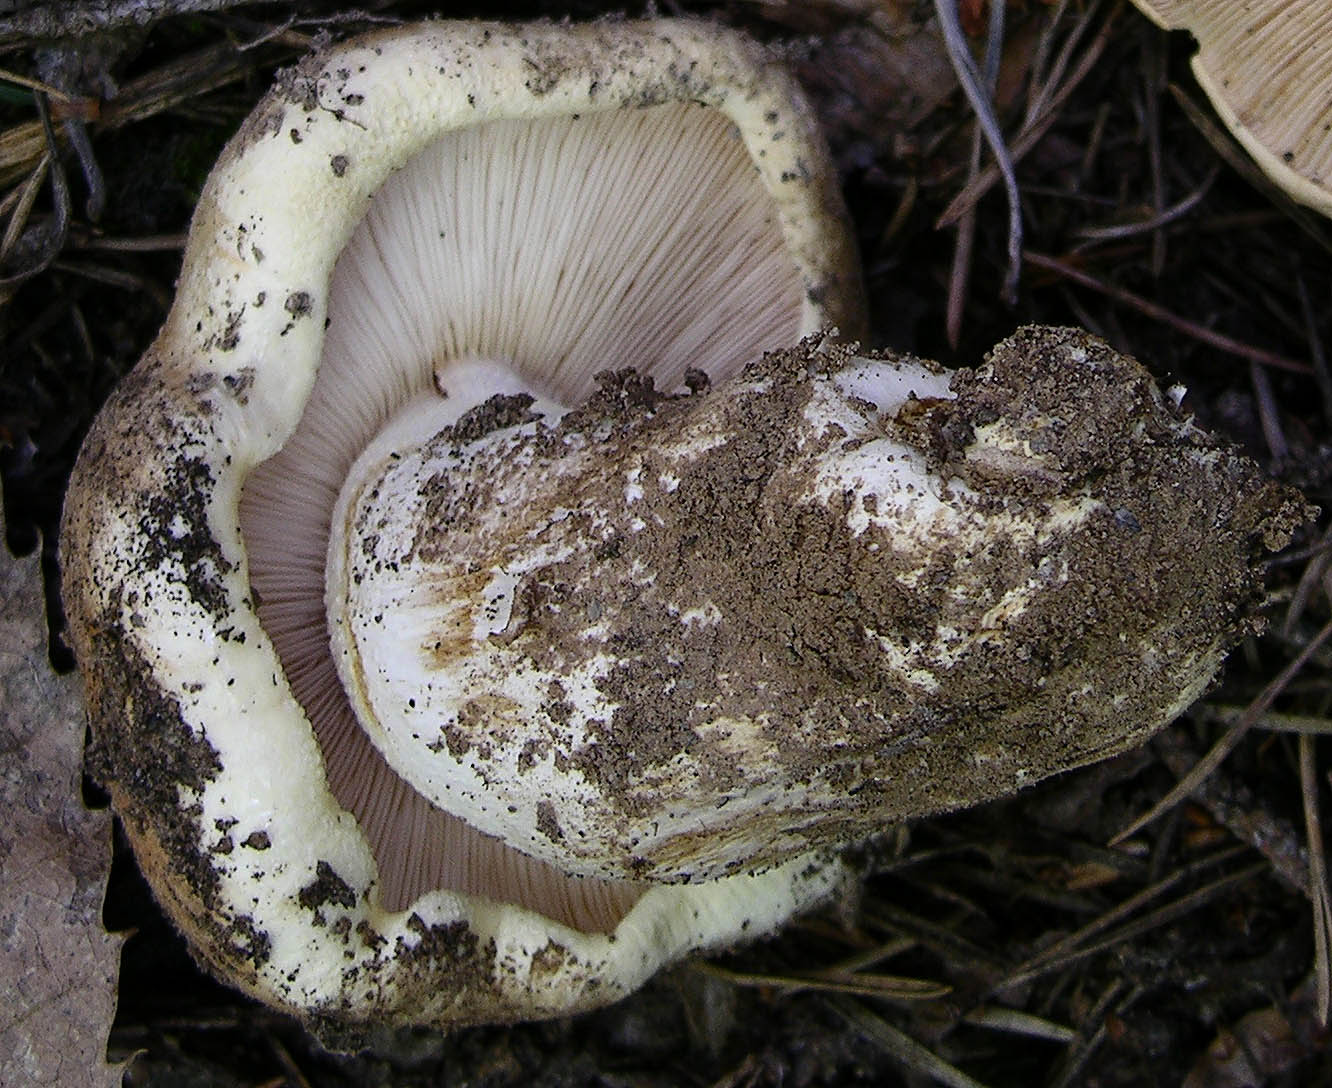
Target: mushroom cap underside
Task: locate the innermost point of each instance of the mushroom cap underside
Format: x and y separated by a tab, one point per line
209	757
1267	68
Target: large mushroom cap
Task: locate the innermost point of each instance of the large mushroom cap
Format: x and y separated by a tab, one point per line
399	213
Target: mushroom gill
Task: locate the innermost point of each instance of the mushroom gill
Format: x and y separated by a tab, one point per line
560	248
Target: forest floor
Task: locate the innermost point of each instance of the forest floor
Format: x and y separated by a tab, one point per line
1187	952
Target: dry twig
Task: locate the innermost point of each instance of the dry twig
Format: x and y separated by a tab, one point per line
1232	737
1160	313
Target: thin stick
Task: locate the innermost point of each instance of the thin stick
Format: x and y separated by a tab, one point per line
910	1052
895	987
1315	566
1160	313
1318	890
148	243
1030	135
1167	216
1312	725
1269	415
966	228
55	239
24	196
999	1018
35	85
1230	739
973	87
1056	952
1322	373
1233	808
1157	918
1153	75
1044	86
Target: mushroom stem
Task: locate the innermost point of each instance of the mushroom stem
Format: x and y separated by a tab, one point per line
472	397
674	638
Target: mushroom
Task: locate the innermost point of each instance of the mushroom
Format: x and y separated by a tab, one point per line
566	676
1267	67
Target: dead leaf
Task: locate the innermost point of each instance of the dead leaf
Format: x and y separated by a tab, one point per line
58	965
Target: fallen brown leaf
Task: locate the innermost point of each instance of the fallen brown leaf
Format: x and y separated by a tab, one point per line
58	965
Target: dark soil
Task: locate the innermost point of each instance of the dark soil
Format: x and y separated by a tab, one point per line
1199	950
